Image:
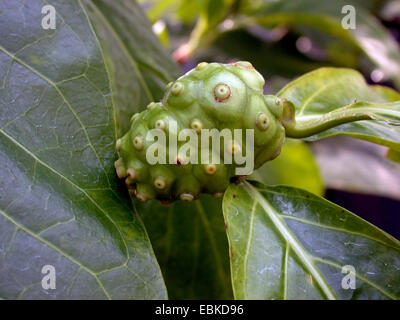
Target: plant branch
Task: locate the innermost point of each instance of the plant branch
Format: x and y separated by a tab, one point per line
308	125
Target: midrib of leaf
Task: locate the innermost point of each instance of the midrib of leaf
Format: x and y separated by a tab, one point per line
210	234
366	109
124	50
290	240
249	240
285	272
313	95
55	248
328	262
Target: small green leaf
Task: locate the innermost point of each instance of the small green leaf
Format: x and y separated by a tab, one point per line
190	243
332	94
287	243
138	65
295	167
59	203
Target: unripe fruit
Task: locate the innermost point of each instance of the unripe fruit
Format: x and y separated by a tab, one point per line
211	96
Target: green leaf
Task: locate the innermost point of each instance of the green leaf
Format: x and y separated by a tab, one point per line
176	11
190	243
393	155
287	243
357	166
319	95
59	203
138	64
158	8
369	35
213	10
269	58
295	166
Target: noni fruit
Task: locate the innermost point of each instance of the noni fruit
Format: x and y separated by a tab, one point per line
211	96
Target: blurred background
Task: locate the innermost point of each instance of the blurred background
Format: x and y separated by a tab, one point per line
285	39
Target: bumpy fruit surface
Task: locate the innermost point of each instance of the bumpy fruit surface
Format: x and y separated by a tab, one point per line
210	96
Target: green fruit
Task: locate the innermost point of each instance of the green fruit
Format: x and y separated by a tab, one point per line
211	96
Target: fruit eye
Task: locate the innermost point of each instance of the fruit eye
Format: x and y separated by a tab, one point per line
196	125
177	88
138	143
222	92
160	183
160	124
262	121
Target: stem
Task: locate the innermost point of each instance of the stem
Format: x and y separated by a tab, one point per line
318	124
305	126
204	33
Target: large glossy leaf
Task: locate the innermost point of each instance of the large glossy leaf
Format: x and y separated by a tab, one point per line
138	64
287	243
295	166
369	34
58	200
190	243
322	92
